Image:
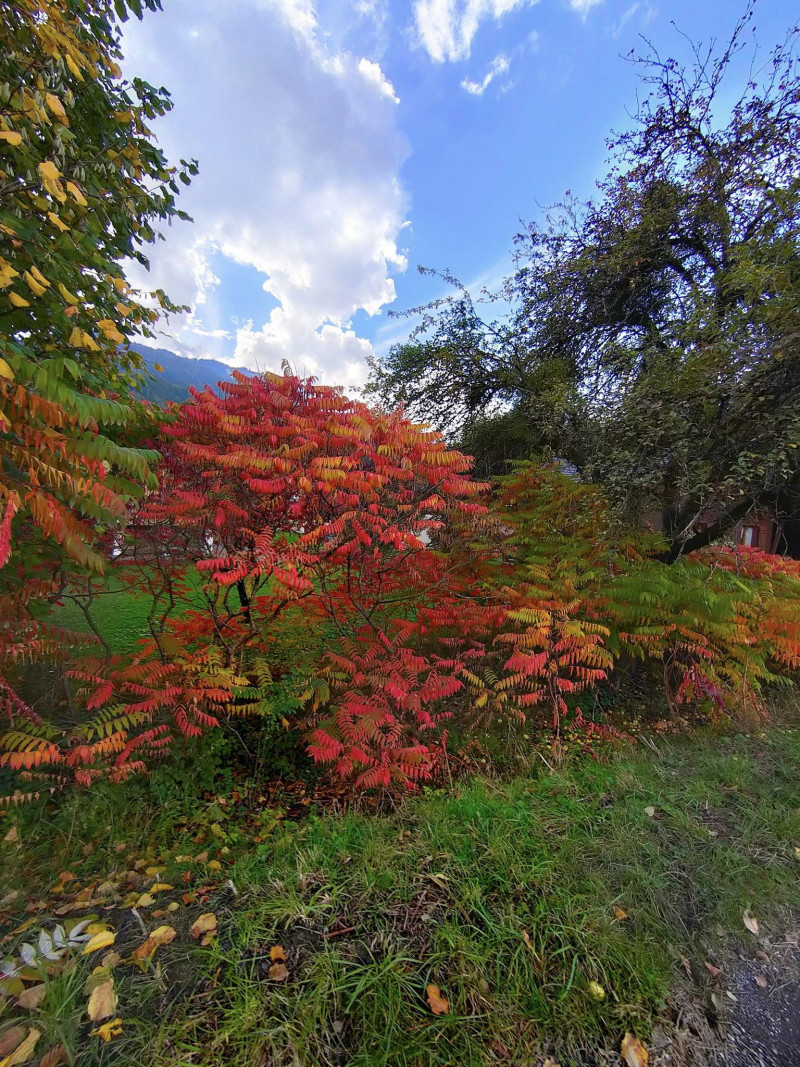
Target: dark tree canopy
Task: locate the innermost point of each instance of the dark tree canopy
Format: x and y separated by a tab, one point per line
653	334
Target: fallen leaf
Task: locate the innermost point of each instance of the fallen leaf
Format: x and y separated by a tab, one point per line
206	923
32	997
103	1001
160	887
54	1056
11	1039
154	872
686	966
526	937
550	1063
761	981
651	811
162	936
111	959
633	1052
278	972
715	972
621	914
750	922
201	857
12	836
797	851
277	952
113	1028
145	901
439	1005
596	991
214	865
173	906
105	939
22	1052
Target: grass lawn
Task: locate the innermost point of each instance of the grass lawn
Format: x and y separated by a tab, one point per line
512	897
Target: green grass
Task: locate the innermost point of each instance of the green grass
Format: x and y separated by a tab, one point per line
503	894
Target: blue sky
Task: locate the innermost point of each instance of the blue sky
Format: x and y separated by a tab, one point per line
343	142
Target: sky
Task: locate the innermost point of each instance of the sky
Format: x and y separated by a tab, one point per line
344	143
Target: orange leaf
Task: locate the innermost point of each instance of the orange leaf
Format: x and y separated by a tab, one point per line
439	1005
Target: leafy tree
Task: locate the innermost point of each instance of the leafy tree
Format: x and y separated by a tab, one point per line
82	188
653	341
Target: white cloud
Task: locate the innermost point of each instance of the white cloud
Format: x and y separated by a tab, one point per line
499	65
583	6
446	28
299	158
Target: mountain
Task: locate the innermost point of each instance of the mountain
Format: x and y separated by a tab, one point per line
179	373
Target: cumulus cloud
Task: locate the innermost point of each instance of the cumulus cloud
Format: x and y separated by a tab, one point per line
500	65
446	28
299	158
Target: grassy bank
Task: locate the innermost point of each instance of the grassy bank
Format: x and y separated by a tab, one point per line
511	897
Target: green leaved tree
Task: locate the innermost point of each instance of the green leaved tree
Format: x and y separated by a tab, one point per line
654	337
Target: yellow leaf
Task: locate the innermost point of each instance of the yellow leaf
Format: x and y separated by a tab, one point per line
633	1052
76	70
204	924
620	913
277	952
40	278
11	137
123	309
6	372
145	901
18	301
68	296
55	106
439	1004
33	285
32	997
214	865
160	887
105	939
103	1001
50	174
22	1052
160	369
162	936
56	221
596	991
151	872
173	906
77	194
109	1029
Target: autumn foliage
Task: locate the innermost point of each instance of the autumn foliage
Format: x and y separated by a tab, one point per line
451	606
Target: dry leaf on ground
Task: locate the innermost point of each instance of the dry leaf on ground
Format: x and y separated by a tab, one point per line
596	991
761	981
103	1001
715	972
204	924
54	1056
620	914
11	1039
105	939
277	952
750	922
633	1052
23	1051
278	972
439	1004
162	936
113	1028
32	997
